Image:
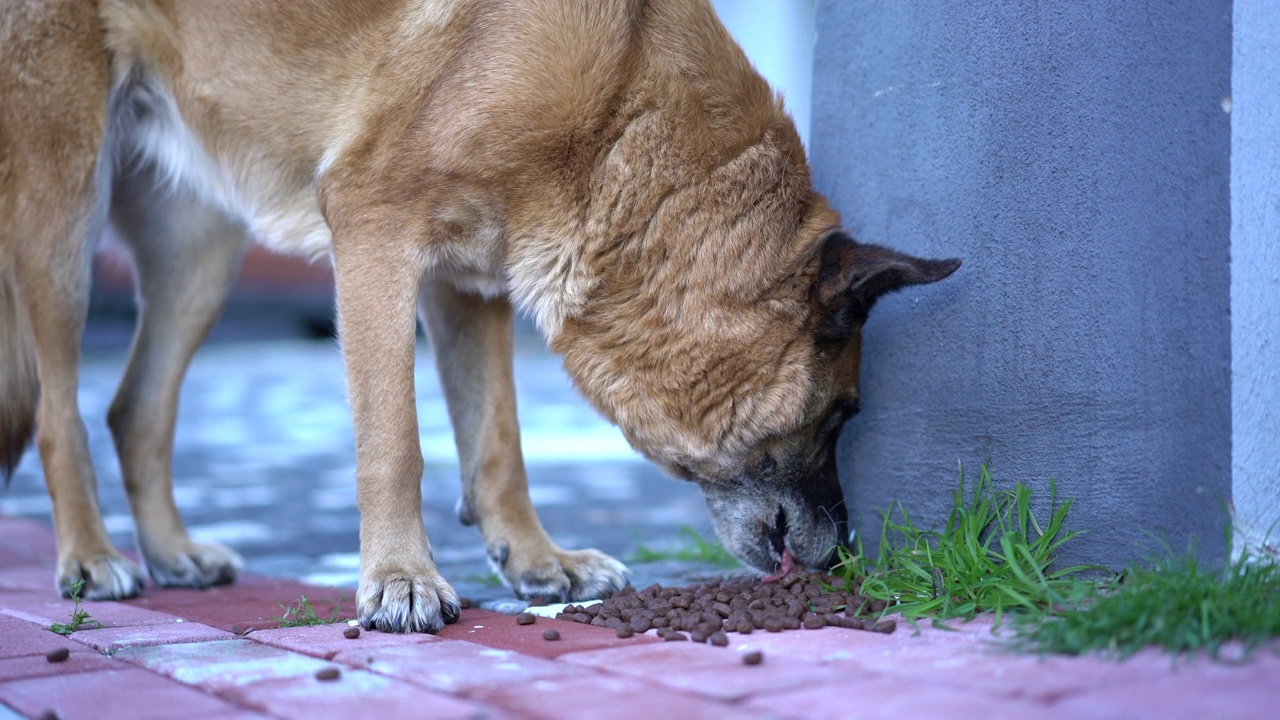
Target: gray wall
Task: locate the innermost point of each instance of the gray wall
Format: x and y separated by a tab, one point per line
1076	155
1255	272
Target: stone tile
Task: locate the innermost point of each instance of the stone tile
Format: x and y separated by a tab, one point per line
252	602
46	608
29	539
326	641
27	578
610	697
1190	689
19	637
126	692
501	631
221	664
356	694
81	660
113	639
457	666
867	696
704	669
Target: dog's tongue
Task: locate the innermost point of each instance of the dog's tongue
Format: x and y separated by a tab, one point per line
786	566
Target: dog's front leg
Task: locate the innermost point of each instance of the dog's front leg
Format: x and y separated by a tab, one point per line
471	337
400	588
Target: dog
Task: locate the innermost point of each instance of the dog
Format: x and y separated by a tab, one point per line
616	170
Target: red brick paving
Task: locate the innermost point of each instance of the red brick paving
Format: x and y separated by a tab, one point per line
172	654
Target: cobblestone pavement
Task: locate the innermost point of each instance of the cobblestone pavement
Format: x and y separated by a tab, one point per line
216	655
265	462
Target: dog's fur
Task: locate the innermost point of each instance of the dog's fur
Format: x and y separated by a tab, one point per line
616	169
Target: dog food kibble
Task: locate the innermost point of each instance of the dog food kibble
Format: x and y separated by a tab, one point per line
755	657
58	655
49	715
551	635
465	603
707	612
351	633
328	674
526	618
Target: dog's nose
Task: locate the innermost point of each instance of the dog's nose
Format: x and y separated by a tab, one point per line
778	533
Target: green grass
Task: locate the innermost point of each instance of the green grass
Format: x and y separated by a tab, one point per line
1174	603
300	613
692	548
80	619
491	579
993	555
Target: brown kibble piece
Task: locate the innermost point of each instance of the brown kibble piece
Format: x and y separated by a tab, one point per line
773	625
328	674
626	631
674	635
351	633
883	626
465	603
551	634
813	622
755	657
526	618
49	715
719	639
745	627
58	655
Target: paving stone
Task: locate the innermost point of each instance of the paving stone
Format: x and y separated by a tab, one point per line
610	697
704	669
46	608
81	659
30	540
118	693
1192	689
326	641
221	664
867	696
356	694
27	578
253	602
457	666
19	637
501	631
113	639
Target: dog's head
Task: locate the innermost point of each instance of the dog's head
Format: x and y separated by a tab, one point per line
745	394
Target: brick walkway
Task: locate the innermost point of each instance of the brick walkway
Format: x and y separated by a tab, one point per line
217	655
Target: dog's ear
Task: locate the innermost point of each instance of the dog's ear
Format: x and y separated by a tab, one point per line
852	276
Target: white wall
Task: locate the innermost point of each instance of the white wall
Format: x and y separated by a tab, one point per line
778	36
1255	276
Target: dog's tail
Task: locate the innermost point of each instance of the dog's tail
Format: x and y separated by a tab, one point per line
19	385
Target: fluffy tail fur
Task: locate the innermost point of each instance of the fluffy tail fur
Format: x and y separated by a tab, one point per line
19	385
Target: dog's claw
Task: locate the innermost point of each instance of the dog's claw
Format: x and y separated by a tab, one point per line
195	565
106	577
407	602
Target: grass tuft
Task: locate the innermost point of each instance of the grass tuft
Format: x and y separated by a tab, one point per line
1175	604
993	555
693	548
300	613
80	619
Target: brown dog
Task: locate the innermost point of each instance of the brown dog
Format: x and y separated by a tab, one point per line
616	169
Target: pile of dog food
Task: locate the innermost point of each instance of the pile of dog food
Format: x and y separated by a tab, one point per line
706	612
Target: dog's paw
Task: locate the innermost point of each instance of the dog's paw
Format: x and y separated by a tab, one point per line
192	564
567	575
108	576
403	601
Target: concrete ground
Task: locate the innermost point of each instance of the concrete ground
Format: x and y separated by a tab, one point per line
265	463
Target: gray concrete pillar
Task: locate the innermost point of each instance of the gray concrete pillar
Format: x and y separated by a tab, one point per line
1076	155
1255	275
